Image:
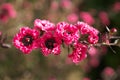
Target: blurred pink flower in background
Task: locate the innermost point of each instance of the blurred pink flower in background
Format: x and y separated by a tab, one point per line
66	4
108	71
7	11
104	18
72	18
54	5
116	6
94	62
92	51
86	78
94	56
87	17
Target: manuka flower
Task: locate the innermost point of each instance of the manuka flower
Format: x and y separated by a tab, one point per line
79	53
43	25
7	11
25	40
92	33
67	32
93	39
49	43
86	29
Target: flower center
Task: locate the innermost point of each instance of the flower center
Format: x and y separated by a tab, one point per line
27	40
49	43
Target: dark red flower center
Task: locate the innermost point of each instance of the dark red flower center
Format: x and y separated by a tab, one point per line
27	40
49	43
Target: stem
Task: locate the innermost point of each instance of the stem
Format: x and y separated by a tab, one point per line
115	37
105	44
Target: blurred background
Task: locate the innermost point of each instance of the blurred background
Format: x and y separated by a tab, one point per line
101	64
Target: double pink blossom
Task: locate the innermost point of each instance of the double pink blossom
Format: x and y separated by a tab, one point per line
49	43
92	33
25	40
68	32
79	53
43	25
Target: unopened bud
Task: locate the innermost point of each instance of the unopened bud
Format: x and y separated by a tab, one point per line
113	30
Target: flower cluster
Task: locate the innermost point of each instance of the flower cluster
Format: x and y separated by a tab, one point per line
49	37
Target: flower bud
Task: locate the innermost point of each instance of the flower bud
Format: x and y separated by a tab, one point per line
113	30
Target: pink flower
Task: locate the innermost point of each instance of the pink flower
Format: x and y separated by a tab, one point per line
104	18
79	53
108	71
7	11
72	18
94	61
54	5
93	39
93	51
93	31
43	25
87	17
86	78
95	55
49	43
116	6
84	28
68	32
25	40
66	4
